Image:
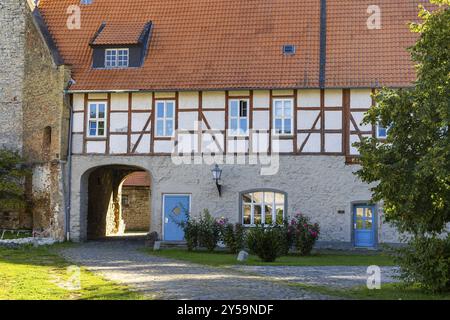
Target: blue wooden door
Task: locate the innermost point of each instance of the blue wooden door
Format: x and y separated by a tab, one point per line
176	210
365	226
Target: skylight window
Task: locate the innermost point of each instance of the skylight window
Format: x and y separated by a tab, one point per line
86	2
288	49
116	58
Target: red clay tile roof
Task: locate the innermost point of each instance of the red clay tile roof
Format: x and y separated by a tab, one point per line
232	44
137	179
119	33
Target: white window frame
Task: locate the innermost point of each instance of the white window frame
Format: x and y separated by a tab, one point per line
238	132
165	118
116	60
96	119
283	117
262	204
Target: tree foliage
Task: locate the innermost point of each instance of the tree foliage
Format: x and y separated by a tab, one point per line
411	169
12	174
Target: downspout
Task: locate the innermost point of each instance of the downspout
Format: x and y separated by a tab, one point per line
69	172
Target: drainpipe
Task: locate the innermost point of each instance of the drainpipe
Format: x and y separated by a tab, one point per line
69	173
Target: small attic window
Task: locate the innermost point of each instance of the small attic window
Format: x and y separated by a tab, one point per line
117	58
86	2
289	49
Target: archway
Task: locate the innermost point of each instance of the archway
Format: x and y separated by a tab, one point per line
105	205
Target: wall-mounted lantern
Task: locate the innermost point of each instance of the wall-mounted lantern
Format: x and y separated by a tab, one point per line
217	174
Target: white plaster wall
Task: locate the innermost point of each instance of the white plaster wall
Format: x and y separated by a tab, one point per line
163	146
309	98
333	142
78	122
333	120
138	121
216	119
261	99
118	144
141	101
188	100
360	98
214	99
187	120
118	122
144	144
306	118
119	101
95	146
98	96
313	144
78	102
333	98
261	120
316	186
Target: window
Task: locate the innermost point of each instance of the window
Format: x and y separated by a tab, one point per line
289	49
116	58
125	201
238	117
382	132
165	118
282	116
263	207
97	119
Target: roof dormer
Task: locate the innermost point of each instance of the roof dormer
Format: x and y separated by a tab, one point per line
120	45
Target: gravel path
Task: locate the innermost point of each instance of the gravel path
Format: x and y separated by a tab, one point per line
163	278
336	277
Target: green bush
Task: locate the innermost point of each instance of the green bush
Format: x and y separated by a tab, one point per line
266	242
190	229
425	261
234	237
209	231
287	238
304	233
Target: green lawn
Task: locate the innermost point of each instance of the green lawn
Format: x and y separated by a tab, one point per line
41	274
325	258
391	291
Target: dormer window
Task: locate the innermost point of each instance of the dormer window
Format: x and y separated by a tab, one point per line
117	58
120	45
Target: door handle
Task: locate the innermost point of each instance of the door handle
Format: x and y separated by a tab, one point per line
167	220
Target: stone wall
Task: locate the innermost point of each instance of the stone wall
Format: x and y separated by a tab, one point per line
318	186
12	42
136	213
34	115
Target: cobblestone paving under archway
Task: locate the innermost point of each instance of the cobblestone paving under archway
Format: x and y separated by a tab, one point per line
169	279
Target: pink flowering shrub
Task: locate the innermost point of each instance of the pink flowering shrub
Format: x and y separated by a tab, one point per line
303	233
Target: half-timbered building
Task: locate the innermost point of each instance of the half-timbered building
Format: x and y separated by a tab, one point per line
272	91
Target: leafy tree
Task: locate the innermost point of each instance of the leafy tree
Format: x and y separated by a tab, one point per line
12	174
411	169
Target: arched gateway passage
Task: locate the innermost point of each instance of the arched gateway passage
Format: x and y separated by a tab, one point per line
118	203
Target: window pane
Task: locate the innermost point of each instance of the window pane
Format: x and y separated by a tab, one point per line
243	108
258	197
279	212
92	128
101	111
169	109
160	109
169	128
382	132
93	111
233	125
247	214
287	126
101	132
288	108
247	198
268	197
243	125
268	213
160	128
278	109
279	198
257	214
101	125
234	108
278	126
